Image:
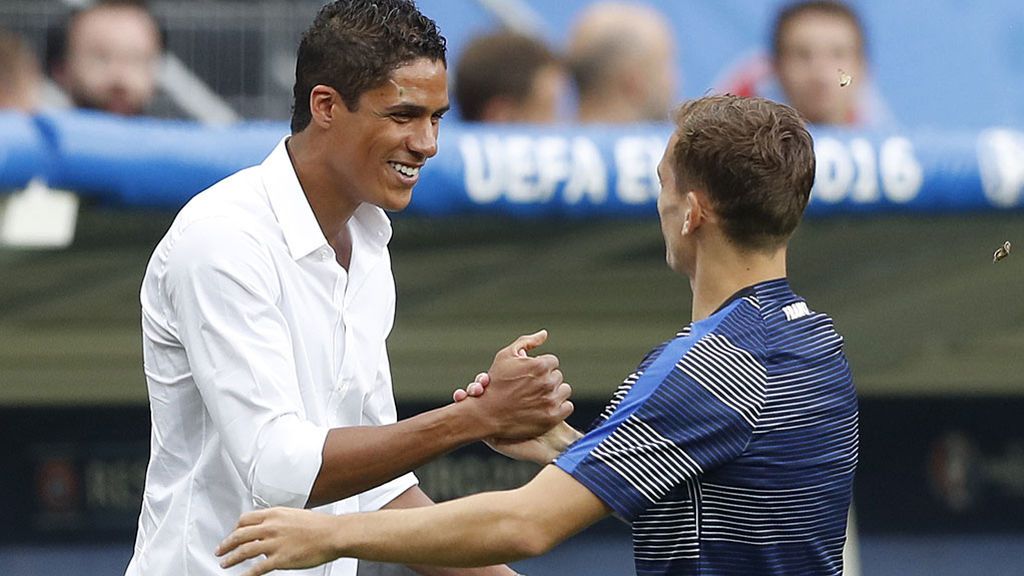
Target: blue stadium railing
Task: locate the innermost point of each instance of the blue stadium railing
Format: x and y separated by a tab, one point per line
523	171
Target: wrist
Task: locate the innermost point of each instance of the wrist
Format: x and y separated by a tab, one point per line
344	527
563	437
471	423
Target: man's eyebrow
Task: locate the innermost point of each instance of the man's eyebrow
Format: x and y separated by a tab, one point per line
413	109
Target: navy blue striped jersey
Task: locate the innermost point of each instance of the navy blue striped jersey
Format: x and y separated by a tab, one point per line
731	450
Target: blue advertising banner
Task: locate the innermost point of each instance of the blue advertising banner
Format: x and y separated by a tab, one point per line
574	172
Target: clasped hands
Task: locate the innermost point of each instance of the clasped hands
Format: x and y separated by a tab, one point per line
532	400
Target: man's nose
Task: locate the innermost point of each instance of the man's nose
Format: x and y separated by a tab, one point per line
423	140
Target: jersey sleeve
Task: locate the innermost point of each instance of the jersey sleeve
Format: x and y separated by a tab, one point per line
690	411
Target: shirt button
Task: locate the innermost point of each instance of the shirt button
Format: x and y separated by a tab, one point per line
323	254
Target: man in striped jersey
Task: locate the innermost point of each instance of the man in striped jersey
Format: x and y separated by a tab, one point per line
731	449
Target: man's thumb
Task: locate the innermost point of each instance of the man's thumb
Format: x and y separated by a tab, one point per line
524	344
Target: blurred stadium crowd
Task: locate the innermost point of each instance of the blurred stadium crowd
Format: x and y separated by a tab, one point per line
620	63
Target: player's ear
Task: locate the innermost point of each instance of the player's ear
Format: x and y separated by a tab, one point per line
323	102
695	213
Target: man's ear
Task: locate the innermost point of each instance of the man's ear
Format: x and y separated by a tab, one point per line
323	102
696	212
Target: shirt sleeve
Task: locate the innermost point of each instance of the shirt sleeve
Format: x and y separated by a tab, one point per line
222	289
690	411
379	410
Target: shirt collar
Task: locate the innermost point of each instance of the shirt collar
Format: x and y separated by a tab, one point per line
762	290
301	230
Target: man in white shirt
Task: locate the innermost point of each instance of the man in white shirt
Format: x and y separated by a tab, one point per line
267	305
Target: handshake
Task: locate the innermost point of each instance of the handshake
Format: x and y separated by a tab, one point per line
522	402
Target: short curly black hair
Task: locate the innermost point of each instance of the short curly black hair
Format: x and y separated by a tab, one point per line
355	45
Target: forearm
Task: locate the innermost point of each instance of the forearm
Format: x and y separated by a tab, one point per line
480	530
415	498
358	458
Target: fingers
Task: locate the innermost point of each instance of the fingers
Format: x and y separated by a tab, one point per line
566	410
263	567
253	518
241	536
563	392
473	389
524	344
244	552
561	395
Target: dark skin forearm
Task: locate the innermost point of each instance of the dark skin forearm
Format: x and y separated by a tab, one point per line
526	398
358	458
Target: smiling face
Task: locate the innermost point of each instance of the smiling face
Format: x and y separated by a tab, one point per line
378	149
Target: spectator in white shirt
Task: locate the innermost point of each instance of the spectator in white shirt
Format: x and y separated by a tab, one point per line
267	305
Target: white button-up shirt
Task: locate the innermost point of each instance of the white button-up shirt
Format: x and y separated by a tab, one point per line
256	342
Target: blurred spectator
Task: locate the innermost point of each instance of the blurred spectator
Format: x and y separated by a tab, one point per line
20	76
509	77
622	57
818	64
107	57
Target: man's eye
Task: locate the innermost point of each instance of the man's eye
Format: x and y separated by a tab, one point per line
401	117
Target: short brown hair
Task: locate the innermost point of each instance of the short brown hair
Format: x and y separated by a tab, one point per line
500	64
827	7
755	160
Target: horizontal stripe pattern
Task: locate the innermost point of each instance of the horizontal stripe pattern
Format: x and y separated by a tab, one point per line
740	460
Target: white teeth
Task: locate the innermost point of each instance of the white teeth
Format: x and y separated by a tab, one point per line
410	171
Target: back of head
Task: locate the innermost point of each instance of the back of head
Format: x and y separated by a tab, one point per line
755	160
20	77
503	66
355	45
613	44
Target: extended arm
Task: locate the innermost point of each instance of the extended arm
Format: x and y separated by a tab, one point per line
479	530
415	498
241	358
528	396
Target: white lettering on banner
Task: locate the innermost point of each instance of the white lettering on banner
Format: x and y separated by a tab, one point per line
552	165
902	174
636	168
482	168
1001	163
527	169
589	177
852	170
865	187
834	171
520	169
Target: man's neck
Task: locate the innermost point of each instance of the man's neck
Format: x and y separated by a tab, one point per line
720	275
331	208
